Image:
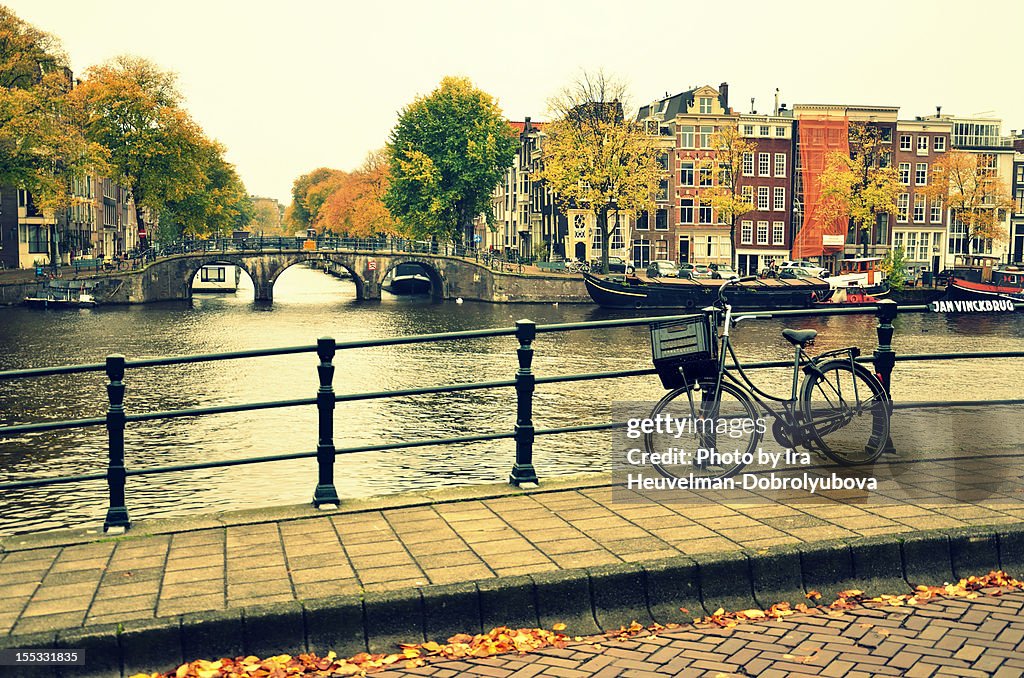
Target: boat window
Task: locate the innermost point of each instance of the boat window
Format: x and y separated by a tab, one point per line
213	274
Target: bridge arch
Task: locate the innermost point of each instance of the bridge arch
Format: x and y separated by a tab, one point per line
194	265
276	266
438	284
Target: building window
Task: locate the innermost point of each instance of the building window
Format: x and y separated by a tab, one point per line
764	130
939	144
885	159
762	197
686	136
686	211
641	253
778	233
780	132
763	160
748	130
921	174
779	199
904	142
705	135
748	164
886	135
38	240
663	161
686	173
936	211
919	205
747	193
922	144
705	105
902	205
661	249
705	176
905	173
704	212
987	164
746	232
642	221
661	220
663	190
762	233
780	165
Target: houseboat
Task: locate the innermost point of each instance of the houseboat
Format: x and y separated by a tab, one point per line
980	277
639	291
862	273
64	294
217	278
407	279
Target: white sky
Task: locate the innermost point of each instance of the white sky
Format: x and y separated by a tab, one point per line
291	86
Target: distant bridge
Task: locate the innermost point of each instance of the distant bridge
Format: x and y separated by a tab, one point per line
452	273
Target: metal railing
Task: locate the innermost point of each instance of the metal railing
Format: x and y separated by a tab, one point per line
523	382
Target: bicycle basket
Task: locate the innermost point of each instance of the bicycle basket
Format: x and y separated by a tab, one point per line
684	350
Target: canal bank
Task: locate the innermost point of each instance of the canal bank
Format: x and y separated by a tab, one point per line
423	567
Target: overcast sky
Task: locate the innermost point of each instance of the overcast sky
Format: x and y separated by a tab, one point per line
291	86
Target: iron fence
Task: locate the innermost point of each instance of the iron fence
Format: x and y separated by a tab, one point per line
524	381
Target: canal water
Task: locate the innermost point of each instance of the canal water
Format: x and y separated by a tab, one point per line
309	304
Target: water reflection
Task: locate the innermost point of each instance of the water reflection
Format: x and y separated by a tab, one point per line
309	304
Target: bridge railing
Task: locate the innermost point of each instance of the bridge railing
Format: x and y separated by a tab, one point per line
523	382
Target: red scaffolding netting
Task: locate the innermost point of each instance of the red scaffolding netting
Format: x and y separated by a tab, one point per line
819	137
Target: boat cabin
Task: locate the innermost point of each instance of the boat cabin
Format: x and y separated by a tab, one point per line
985	269
858	271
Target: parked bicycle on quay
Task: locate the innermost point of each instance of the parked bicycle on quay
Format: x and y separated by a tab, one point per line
839	409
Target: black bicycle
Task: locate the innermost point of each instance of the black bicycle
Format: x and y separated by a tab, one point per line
840	409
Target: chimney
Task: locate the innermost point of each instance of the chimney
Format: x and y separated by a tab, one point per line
776	101
938	111
752	105
723	92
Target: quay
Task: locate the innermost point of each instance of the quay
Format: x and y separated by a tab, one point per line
413	568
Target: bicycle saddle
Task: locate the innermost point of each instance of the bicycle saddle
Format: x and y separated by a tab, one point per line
801	337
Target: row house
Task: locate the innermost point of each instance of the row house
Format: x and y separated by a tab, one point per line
527	221
1017	218
920	226
101	220
823	129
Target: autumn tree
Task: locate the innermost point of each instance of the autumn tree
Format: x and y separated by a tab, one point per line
357	207
217	206
266	218
42	145
726	163
968	183
597	159
446	154
309	192
859	186
133	109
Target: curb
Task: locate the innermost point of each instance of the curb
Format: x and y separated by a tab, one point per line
587	600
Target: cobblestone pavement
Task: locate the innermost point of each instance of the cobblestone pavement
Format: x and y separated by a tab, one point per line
944	637
272	561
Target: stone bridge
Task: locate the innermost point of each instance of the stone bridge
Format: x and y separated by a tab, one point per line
450	277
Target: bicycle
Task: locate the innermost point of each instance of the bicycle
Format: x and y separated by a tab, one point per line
841	411
574	266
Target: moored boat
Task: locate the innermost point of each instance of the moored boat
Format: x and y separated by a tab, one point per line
407	279
639	291
64	294
977	277
217	278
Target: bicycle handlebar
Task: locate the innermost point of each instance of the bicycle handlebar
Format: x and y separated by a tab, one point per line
732	281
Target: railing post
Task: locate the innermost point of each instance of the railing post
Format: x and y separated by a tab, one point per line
325	492
523	471
117	513
885	356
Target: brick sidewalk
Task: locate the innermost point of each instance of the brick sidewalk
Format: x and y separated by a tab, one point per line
141	577
945	637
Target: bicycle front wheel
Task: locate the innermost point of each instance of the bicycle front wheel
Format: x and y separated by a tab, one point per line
846	411
705	430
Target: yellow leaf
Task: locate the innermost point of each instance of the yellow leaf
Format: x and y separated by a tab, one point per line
558	627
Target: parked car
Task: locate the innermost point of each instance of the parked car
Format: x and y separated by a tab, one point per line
615	265
791	272
814	270
662	268
688	270
725	273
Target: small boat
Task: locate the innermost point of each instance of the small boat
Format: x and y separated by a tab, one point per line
639	291
980	277
853	295
217	278
860	272
407	279
64	294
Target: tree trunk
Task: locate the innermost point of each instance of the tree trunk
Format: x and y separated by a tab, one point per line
602	225
733	256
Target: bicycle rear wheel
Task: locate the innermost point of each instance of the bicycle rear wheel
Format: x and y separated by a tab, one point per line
722	422
847	412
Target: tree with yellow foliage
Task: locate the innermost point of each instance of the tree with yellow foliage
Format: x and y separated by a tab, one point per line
726	162
356	207
969	185
596	158
859	186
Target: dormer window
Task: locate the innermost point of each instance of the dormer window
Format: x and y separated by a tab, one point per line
705	105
